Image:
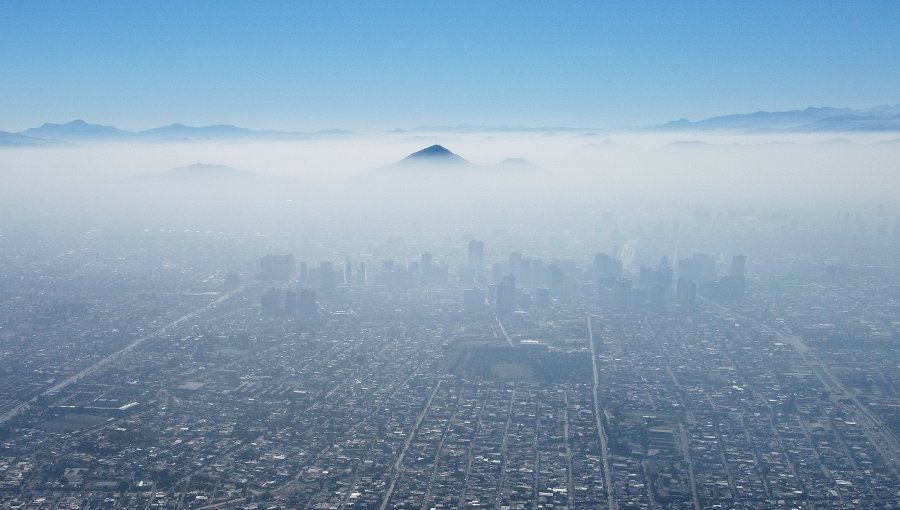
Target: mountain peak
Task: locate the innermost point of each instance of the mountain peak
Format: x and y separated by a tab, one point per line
435	155
435	151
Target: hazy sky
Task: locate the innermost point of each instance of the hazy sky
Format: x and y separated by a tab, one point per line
381	65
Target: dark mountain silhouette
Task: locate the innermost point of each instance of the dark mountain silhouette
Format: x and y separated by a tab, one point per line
77	129
439	161
436	155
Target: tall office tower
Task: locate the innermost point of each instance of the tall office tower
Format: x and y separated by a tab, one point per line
538	273
425	269
361	275
270	304
348	272
523	274
647	278
555	280
327	278
738	265
290	303
276	267
686	294
606	266
476	255
307	303
440	275
622	293
657	298
506	295
304	273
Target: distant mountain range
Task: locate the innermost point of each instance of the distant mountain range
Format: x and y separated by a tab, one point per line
81	131
77	129
810	120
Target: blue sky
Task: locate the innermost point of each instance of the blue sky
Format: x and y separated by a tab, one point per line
382	65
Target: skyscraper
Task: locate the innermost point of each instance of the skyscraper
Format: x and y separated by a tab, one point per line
606	266
327	278
307	305
270	304
276	267
290	303
686	294
506	295
476	255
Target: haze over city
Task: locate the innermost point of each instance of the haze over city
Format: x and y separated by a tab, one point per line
430	255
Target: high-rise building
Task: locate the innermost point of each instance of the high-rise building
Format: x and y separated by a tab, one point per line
686	294
270	304
606	267
506	295
555	278
307	305
622	293
425	269
327	278
304	273
361	277
476	255
276	267
290	303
